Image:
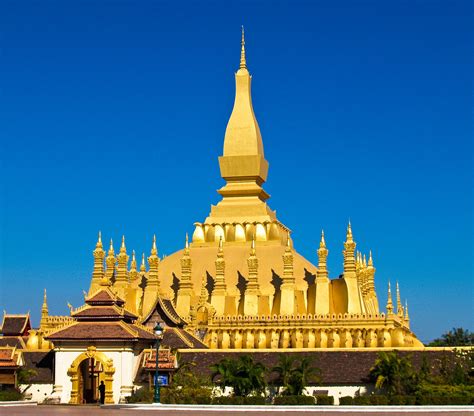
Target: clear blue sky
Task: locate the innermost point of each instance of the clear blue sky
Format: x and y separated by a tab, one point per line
112	116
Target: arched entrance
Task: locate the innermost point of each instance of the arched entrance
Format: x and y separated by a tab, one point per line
86	372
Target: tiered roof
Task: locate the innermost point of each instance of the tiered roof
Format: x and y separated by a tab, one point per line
10	358
16	325
103	317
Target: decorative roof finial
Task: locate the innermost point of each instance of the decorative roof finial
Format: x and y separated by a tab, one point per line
389	300
143	266
154	250
99	241
243	62
349	231
322	243
399	302
371	262
122	247
407	318
186	245
111	248
44	309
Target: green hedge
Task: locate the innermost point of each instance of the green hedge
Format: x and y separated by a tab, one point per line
239	400
324	400
294	400
402	400
10	395
186	395
346	401
445	400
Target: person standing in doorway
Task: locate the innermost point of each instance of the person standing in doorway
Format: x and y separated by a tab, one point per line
102	392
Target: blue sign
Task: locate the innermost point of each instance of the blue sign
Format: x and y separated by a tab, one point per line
162	380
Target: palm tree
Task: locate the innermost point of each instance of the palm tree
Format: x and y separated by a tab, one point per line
295	375
284	369
393	373
243	375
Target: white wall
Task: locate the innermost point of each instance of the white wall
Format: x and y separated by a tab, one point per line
36	392
338	391
124	361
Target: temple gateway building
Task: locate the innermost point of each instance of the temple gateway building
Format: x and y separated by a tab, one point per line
237	285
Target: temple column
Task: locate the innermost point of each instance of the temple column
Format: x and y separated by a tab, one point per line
350	275
121	278
252	290
219	293
287	289
185	286
322	279
98	272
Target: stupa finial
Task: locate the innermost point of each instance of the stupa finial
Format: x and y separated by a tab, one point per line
243	61
143	266
111	248
322	243
99	241
389	300
371	262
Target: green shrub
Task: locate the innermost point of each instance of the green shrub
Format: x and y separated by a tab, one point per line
239	400
186	395
294	400
361	400
142	395
324	400
445	400
346	401
255	400
378	400
10	395
402	400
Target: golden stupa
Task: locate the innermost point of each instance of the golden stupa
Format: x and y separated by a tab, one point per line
239	283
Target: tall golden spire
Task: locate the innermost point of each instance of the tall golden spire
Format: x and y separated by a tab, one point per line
110	262
389	306
322	272
153	262
143	266
399	303
98	272
349	255
185	285
243	62
44	312
122	261
133	267
243	164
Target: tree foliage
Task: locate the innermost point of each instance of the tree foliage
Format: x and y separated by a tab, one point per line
294	375
243	375
457	337
394	374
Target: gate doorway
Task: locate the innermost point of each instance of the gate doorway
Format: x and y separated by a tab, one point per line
91	373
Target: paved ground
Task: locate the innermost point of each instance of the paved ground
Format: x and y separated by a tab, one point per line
335	411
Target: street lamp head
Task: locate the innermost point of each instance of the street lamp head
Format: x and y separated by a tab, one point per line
158	330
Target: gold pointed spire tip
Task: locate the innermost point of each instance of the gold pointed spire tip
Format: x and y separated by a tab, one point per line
243	61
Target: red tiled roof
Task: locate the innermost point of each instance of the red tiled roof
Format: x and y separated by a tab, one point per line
18	325
101	331
166	360
9	357
104	297
104	312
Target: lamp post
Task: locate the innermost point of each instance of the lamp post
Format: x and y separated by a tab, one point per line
158	329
